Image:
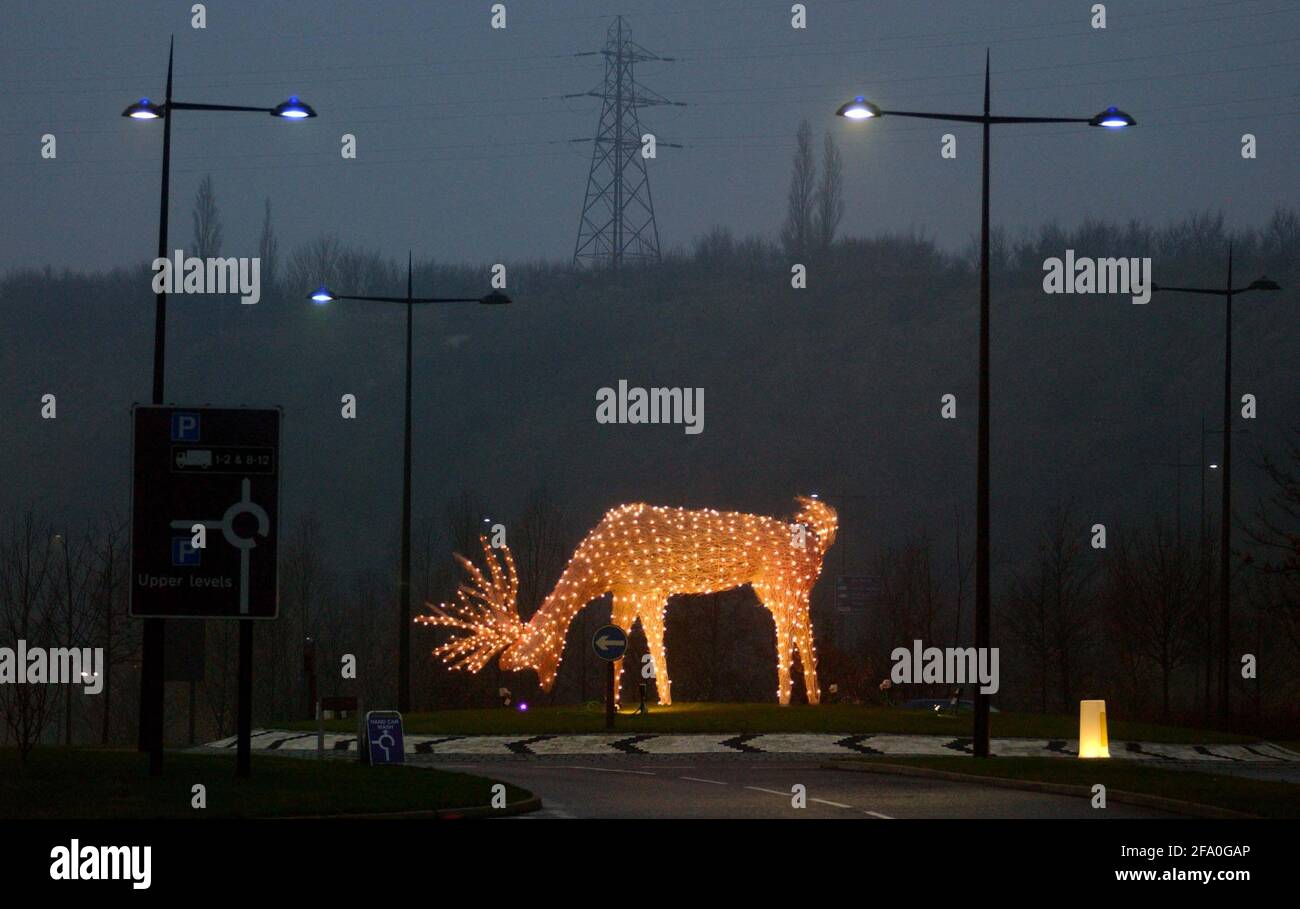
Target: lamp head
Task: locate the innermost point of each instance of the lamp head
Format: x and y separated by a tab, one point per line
293	109
144	109
858	109
322	295
1112	118
496	298
1264	284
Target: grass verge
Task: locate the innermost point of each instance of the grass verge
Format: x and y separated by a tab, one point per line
83	783
759	718
1265	798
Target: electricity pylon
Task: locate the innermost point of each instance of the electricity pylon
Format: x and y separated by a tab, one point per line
618	215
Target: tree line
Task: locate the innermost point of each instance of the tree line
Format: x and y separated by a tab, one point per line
834	388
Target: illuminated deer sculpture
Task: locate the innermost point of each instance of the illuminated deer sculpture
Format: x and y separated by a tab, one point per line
643	555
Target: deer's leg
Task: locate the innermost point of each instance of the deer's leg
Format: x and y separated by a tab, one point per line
803	641
784	642
623	615
784	651
652	623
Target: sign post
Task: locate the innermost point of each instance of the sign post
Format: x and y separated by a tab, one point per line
204	528
610	643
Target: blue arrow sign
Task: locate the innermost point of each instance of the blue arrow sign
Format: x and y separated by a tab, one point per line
610	642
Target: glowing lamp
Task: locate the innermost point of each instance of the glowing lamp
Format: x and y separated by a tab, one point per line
144	109
858	109
293	109
523	706
1112	118
322	295
1093	742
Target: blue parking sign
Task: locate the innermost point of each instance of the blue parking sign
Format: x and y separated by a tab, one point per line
184	553
185	427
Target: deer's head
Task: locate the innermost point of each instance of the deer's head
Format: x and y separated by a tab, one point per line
486	610
538	647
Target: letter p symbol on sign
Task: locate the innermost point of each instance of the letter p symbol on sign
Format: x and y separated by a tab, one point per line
185	427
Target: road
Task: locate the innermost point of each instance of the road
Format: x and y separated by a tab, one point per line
739	788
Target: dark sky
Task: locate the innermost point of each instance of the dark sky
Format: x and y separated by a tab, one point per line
463	140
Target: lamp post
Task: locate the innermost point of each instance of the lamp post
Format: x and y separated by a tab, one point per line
324	295
151	670
1225	513
1111	118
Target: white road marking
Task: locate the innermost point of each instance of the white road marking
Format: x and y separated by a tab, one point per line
822	801
609	770
832	804
696	779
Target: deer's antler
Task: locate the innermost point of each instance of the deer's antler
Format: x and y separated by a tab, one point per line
485	608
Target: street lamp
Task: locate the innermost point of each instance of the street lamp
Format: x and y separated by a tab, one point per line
1225	516
1111	118
151	671
321	296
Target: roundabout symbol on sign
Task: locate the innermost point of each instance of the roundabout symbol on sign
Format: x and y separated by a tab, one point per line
226	525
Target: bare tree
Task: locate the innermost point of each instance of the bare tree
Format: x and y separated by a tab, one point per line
911	598
464	515
221	674
26	614
1028	626
830	196
961	574
304	568
541	549
1276	530
1152	583
1052	608
110	576
1073	574
1276	533
708	641
797	232
268	249
315	263
1207	614
207	221
71	582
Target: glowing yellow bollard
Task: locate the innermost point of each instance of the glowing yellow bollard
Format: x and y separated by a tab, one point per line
1093	742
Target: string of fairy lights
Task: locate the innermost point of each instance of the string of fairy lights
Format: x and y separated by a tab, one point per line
643	555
